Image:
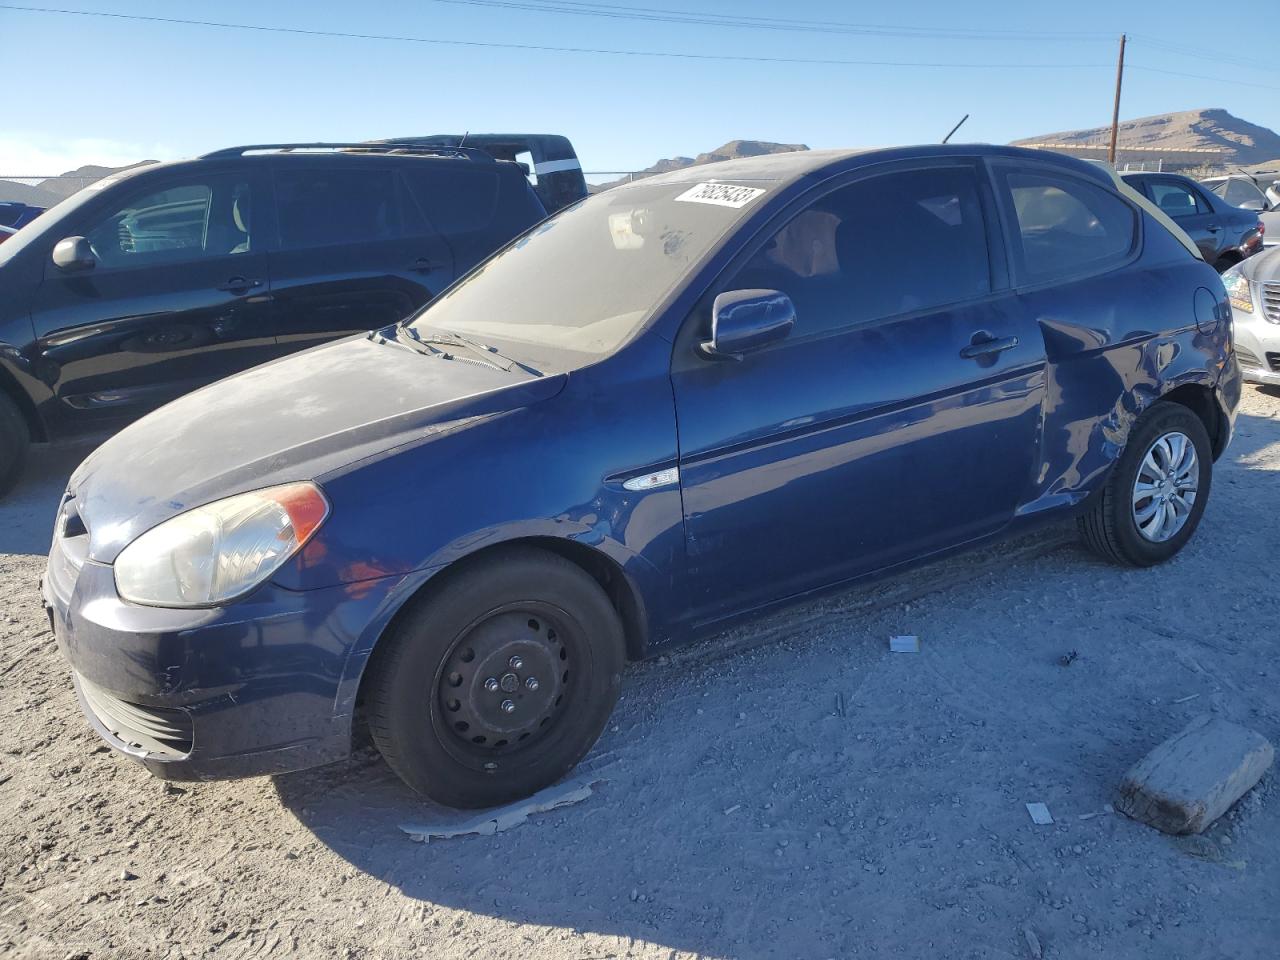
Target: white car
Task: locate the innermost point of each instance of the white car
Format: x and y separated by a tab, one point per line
1254	288
1258	191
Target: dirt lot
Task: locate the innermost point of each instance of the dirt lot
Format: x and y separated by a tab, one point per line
742	816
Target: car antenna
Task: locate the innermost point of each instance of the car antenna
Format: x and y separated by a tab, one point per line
955	128
464	139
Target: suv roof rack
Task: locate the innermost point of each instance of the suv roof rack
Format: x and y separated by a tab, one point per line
458	153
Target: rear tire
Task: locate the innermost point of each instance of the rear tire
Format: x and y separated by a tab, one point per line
1124	524
15	440
498	681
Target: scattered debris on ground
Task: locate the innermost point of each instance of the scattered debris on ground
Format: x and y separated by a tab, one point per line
450	823
1040	814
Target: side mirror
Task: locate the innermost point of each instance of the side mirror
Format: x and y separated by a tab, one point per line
746	320
74	253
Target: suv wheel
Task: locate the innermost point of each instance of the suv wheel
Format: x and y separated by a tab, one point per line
499	681
14	442
1157	491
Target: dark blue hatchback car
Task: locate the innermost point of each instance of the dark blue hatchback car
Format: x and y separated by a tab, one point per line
680	402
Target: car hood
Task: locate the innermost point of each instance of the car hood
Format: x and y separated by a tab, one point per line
1262	266
298	418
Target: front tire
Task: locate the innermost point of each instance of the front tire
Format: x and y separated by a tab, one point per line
1157	491
15	440
498	681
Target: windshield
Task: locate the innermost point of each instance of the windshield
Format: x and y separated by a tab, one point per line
590	277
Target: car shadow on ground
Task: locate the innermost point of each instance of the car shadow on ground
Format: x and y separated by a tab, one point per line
26	514
816	796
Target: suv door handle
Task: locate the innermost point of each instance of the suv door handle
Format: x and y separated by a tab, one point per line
422	265
1213	228
987	347
239	285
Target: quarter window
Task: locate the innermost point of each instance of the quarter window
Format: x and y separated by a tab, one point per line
318	207
456	198
179	223
1067	226
893	244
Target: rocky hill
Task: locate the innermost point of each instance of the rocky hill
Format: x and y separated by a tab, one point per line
1242	142
730	151
45	193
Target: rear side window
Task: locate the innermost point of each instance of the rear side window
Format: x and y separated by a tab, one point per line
1175	199
893	244
1066	226
317	207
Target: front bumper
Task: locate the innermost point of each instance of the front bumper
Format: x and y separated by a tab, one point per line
261	686
1257	344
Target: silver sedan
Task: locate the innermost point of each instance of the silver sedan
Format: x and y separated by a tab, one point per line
1254	288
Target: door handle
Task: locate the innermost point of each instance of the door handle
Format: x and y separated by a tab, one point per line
239	285
422	265
988	347
1213	228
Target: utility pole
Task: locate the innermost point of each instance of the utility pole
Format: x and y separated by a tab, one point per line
1115	112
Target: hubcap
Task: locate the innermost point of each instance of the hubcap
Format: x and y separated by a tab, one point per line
504	680
1165	488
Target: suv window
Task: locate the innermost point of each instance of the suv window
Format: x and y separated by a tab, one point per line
1175	199
1067	226
178	223
892	244
454	197
318	206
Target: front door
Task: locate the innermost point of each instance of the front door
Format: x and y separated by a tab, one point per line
179	297
898	418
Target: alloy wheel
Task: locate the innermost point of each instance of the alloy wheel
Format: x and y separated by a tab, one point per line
1165	488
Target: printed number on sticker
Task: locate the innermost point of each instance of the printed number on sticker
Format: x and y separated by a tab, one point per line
720	194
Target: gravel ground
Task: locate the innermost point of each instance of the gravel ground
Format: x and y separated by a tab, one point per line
744	815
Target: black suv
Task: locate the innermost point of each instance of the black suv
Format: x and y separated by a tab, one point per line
1224	234
154	282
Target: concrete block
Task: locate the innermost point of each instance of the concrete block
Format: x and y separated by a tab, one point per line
1194	777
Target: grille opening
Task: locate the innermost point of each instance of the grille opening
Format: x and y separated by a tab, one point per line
1247	358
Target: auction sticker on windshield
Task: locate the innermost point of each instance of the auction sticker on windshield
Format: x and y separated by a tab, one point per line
720	194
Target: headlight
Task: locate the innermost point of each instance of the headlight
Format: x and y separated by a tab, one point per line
1238	291
222	550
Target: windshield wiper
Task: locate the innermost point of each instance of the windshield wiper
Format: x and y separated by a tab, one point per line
474	346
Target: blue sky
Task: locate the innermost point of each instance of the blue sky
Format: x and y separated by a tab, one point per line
101	90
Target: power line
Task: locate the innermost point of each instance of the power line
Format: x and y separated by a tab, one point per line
1201	53
722	57
1201	76
662	54
703	18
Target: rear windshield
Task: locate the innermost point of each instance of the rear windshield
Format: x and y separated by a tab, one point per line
589	278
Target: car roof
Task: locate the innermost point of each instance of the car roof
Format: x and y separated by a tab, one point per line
785	168
323	153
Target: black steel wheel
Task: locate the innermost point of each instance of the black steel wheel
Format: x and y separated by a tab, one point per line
498	680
